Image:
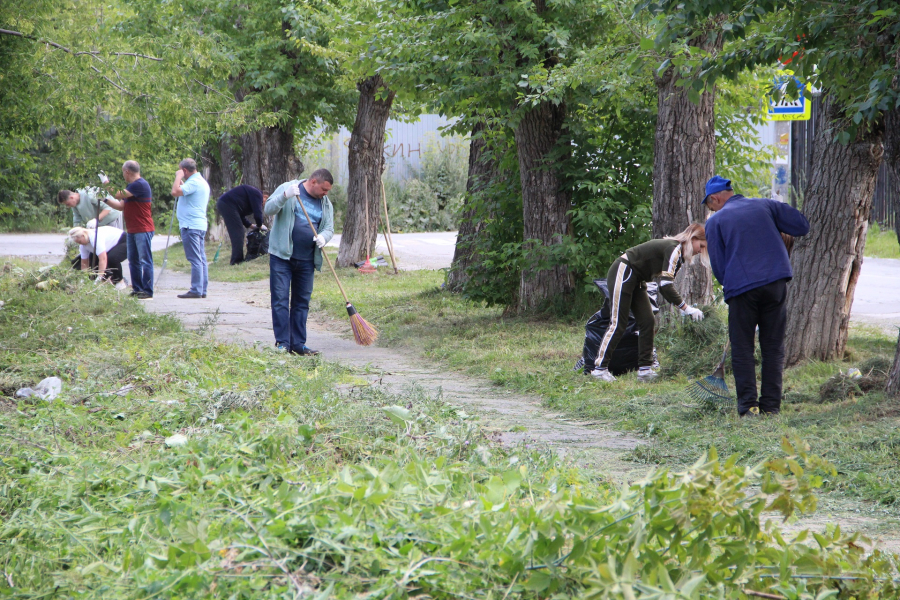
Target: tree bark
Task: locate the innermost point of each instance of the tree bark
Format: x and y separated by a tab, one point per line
483	168
827	262
365	164
545	205
892	389
684	159
268	159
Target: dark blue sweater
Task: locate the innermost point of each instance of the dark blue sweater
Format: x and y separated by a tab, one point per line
745	245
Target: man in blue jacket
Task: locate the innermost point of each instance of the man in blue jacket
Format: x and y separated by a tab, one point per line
295	253
749	259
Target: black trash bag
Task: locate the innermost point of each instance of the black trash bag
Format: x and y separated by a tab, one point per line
625	356
257	244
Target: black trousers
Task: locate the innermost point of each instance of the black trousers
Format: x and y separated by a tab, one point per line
762	307
236	231
114	258
627	292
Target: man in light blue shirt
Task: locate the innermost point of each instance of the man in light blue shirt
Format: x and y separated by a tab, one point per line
193	190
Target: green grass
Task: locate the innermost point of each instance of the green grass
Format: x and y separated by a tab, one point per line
174	466
535	355
881	244
220	270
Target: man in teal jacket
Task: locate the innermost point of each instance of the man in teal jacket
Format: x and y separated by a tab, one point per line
295	253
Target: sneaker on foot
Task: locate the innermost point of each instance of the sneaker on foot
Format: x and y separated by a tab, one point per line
602	375
753	411
189	295
121	285
647	374
142	295
304	351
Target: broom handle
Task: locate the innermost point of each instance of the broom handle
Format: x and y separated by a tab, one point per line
328	260
387	234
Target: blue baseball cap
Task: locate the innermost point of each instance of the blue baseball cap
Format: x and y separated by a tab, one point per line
715	185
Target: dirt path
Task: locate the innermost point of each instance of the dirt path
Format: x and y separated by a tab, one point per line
240	313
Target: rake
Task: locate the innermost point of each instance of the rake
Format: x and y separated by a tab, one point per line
712	389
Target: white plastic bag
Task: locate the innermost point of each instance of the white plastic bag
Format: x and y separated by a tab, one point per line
47	389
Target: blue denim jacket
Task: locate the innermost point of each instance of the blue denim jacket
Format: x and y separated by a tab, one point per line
280	242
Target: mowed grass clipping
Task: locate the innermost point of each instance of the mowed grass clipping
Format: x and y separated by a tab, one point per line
173	466
858	432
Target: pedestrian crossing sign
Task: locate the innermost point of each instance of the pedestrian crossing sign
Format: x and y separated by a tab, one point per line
785	108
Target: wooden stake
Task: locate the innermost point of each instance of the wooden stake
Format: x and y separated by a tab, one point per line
387	236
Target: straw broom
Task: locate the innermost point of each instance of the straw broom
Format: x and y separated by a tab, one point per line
363	332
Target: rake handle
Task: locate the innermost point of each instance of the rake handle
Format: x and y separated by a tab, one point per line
328	260
724	354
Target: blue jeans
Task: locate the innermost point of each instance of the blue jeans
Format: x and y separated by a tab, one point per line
194	242
140	261
291	284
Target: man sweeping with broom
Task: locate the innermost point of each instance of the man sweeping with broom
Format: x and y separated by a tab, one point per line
299	208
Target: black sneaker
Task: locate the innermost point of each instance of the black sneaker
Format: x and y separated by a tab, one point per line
304	351
753	411
142	295
190	295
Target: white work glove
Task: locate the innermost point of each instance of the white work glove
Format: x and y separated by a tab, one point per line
103	178
694	313
99	279
320	241
292	190
92	224
263	228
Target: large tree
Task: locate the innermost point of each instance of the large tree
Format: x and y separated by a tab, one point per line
507	56
365	163
820	39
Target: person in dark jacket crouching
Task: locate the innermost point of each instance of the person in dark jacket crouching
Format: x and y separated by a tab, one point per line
749	258
235	206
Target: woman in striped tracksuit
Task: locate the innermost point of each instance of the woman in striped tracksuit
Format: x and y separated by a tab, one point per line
627	280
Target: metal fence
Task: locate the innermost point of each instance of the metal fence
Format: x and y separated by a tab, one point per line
885	205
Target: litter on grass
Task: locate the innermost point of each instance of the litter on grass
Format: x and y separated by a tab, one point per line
47	389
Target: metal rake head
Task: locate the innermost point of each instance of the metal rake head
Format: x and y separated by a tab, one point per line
711	389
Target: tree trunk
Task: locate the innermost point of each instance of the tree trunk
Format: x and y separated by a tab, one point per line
827	262
892	158
268	159
684	159
365	164
545	206
483	168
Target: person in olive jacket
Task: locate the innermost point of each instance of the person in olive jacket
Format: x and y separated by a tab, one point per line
627	283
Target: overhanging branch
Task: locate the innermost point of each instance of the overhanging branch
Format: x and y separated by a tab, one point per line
68	50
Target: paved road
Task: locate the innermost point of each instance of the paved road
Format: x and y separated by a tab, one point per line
48	248
877	299
416	250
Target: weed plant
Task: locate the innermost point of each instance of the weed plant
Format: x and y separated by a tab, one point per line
173	466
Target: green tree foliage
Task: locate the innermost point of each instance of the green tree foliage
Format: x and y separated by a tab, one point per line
850	49
86	89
